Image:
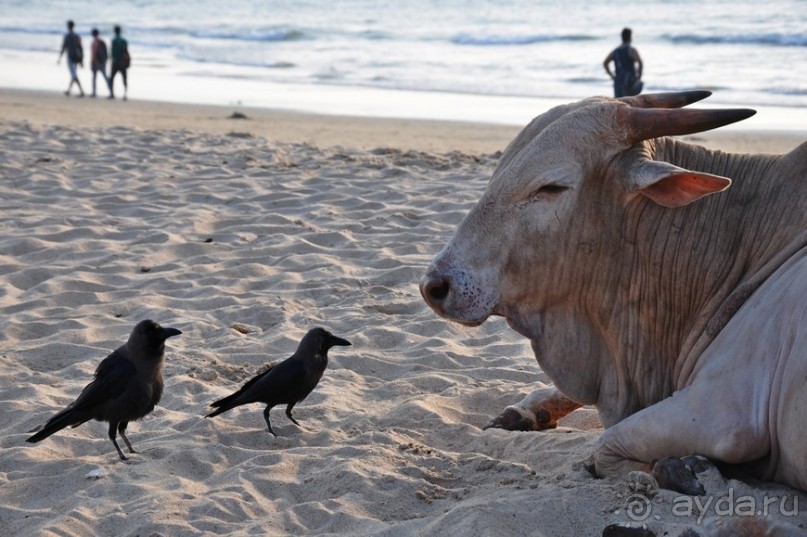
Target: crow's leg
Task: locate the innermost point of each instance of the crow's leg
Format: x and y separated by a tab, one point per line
288	413
122	432
112	427
266	417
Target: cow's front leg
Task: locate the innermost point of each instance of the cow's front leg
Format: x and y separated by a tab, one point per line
691	422
538	411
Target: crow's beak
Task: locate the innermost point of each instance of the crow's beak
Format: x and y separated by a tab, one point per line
170	332
339	341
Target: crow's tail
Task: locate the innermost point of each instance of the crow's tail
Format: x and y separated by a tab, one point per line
238	398
223	405
58	422
217	412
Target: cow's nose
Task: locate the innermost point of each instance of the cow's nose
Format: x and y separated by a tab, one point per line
435	290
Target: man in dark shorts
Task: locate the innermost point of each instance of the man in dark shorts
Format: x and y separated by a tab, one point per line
628	66
75	57
120	63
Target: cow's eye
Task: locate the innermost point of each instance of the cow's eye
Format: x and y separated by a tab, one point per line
548	192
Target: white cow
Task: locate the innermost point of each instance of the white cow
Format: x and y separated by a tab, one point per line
681	316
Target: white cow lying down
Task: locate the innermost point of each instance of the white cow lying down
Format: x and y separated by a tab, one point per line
682	316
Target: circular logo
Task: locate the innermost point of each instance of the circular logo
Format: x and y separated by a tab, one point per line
638	508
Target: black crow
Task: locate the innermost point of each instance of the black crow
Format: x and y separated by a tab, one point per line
288	382
127	385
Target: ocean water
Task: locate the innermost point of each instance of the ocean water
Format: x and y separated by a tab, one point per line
464	58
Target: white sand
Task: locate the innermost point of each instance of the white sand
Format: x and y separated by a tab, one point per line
103	226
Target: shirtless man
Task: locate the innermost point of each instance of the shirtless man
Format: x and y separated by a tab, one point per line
628	66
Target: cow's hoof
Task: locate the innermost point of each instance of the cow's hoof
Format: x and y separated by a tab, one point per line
513	420
698	464
673	473
617	530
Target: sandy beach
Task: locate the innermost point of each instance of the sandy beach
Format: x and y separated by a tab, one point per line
245	233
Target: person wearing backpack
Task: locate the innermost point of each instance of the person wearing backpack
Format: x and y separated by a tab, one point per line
75	57
628	66
98	60
120	63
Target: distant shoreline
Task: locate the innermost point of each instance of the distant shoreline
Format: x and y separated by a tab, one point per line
438	136
152	80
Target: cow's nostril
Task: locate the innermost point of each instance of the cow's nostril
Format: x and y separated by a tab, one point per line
437	289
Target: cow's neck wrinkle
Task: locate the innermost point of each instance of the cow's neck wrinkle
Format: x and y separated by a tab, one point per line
700	265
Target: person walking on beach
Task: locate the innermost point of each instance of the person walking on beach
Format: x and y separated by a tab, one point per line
75	57
120	63
98	60
628	67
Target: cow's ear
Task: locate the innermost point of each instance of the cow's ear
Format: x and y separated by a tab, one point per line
672	186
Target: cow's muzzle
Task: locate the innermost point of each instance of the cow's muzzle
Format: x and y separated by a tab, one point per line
434	290
437	291
454	297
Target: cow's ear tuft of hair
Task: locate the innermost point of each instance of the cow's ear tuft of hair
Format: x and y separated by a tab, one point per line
671	186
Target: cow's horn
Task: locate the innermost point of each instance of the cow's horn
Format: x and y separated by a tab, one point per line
676	99
647	123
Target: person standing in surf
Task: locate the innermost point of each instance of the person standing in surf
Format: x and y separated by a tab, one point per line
627	66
